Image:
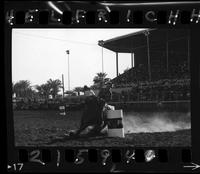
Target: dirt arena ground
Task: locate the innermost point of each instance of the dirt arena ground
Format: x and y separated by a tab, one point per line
47	128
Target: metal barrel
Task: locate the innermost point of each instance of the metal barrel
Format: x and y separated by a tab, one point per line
115	123
62	110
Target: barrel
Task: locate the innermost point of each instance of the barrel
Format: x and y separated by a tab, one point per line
115	123
62	110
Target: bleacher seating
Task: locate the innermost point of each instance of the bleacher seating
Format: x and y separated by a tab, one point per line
165	86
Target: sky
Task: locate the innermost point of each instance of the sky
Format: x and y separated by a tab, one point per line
40	54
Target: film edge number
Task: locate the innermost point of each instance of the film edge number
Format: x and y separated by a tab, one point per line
47	16
130	154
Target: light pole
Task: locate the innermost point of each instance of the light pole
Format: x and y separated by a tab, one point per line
101	42
67	51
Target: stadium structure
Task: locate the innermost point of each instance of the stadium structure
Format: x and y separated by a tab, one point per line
160	75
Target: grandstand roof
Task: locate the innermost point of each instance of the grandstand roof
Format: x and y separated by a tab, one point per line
128	43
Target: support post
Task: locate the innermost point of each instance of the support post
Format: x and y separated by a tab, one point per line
148	54
167	52
188	50
131	60
102	59
117	70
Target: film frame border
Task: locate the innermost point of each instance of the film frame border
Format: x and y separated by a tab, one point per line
195	88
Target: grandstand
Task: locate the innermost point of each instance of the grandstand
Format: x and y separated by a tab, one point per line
161	70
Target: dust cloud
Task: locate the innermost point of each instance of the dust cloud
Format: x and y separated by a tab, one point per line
135	122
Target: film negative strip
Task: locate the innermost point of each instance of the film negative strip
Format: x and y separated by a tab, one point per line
75	102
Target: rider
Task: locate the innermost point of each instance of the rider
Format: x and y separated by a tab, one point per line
92	118
93	121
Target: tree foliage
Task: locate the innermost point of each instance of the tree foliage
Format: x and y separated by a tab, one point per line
22	89
54	86
100	80
43	90
51	87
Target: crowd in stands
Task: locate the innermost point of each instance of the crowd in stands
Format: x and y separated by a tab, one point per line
161	90
140	73
133	75
164	86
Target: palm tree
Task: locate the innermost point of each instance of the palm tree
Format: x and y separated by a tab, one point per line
100	80
43	90
55	86
22	88
39	90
